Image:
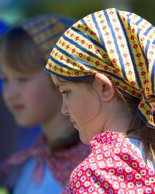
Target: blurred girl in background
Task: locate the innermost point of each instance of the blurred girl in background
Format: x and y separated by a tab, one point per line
32	98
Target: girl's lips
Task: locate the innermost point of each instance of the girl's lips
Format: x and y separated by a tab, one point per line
17	107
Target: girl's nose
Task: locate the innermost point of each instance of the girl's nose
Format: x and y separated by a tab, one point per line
64	109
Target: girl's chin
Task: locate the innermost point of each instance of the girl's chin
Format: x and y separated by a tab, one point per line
75	126
23	123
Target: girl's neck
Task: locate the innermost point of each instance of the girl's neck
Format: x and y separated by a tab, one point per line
119	119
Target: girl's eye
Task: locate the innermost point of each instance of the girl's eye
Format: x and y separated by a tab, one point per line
23	79
66	93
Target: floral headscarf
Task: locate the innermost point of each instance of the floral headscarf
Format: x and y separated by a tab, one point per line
119	44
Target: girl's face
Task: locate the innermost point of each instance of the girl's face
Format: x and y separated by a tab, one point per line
29	97
82	104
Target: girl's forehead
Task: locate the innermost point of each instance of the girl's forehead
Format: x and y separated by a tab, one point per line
5	70
54	78
58	81
61	83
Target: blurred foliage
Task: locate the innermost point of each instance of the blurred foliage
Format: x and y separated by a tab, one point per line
17	10
73	8
4	190
146	9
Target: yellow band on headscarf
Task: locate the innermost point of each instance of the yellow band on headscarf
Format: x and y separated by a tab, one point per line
119	44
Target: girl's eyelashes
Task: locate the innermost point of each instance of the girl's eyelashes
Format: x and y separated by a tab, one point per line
23	79
65	92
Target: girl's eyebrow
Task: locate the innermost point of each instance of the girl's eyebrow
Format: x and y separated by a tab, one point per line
59	85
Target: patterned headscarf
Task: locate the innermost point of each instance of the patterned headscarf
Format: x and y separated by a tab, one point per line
119	44
46	29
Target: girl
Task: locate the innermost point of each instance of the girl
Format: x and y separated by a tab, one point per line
104	67
32	98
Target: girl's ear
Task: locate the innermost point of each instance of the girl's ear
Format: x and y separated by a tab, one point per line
106	89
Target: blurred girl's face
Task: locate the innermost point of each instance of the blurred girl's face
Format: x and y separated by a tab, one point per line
30	97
